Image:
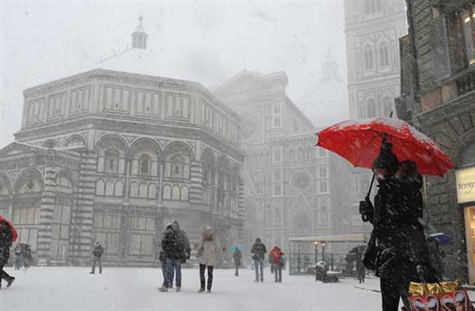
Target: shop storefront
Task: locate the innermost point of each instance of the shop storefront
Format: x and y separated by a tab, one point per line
465	183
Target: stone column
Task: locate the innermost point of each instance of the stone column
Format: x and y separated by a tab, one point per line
46	212
84	215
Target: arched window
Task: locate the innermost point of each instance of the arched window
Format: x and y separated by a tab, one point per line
371	109
269	157
119	189
300	154
324	215
177	166
309	153
176	193
112	160
134	190
384	56
387	106
145	164
110	188
368	58
184	193
143	191
291	155
152	191
167	192
372	6
100	187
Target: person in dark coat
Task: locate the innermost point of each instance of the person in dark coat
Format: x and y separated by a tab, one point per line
403	255
237	256
162	259
360	269
6	241
174	251
259	251
97	257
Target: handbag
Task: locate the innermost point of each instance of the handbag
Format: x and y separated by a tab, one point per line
371	253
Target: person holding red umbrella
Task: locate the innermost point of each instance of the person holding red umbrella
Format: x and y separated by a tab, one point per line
6	240
402	254
397	153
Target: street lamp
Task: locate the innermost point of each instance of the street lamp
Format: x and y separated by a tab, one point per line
316	250
323	251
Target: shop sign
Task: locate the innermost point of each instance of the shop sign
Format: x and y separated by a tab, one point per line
465	179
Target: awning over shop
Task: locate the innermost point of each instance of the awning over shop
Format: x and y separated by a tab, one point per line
332	238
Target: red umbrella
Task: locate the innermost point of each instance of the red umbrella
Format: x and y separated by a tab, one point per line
14	232
359	141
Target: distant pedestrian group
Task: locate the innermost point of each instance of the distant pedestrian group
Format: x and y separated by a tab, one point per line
175	250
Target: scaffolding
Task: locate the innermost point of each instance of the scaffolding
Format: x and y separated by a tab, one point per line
305	252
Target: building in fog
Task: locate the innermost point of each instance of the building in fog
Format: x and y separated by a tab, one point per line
373	29
287	178
113	156
438	97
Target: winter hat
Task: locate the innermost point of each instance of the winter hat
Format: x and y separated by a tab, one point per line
175	222
258	240
386	159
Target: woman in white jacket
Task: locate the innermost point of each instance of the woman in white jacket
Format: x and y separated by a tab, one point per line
207	257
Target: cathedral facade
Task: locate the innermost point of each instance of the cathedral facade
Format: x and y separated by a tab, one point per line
287	178
373	29
112	157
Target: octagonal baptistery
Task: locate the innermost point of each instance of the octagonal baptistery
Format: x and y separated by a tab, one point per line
113	157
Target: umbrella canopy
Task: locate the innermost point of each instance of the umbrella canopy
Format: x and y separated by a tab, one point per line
14	232
234	247
359	142
441	238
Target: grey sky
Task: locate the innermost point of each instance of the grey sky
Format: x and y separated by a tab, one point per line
43	41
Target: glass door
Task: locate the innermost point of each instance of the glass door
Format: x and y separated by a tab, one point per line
470	235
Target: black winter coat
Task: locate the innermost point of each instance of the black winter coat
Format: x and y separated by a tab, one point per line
173	245
237	255
98	251
6	240
398	228
259	251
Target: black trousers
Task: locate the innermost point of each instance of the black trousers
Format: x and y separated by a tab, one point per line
202	277
99	261
392	290
4	275
278	273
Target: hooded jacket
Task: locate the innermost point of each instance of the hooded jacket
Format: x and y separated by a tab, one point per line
207	251
276	256
259	250
98	250
184	241
172	245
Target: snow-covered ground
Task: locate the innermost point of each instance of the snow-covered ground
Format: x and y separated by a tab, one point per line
73	288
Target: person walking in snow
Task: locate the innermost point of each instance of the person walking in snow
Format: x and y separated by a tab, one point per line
277	260
259	251
360	269
162	259
174	252
398	240
97	257
207	258
6	241
237	256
